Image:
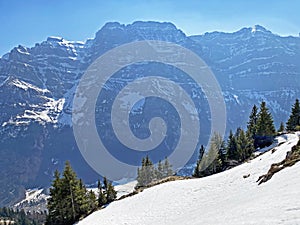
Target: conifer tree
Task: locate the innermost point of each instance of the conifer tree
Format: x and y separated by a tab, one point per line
111	194
69	199
81	200
222	154
293	123
265	124
70	191
245	145
240	145
197	172
281	127
167	168
211	162
54	204
105	183
252	123
101	195
159	171
92	201
265	127
232	148
107	193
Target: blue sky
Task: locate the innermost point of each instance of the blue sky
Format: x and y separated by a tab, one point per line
27	22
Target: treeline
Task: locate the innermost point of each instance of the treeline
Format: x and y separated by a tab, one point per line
9	216
241	144
70	200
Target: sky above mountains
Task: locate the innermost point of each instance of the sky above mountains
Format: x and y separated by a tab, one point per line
31	21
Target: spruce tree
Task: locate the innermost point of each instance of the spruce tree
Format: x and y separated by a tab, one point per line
293	123
265	124
159	171
245	145
101	195
232	149
149	169
167	168
211	162
265	127
92	201
252	123
281	128
81	200
68	200
111	194
107	193
70	188
222	154
54	203
197	172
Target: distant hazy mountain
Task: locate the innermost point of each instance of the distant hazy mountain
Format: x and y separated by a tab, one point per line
37	86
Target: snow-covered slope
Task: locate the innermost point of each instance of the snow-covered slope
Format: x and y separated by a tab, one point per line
225	198
35	201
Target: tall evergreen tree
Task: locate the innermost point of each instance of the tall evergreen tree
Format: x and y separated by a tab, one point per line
252	123
281	127
92	201
265	124
111	194
232	148
222	154
211	162
167	168
54	203
71	192
240	145
245	145
69	199
160	170
107	193
81	201
265	127
293	123
102	200
197	172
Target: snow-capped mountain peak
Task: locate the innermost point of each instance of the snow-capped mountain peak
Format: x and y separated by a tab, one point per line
259	28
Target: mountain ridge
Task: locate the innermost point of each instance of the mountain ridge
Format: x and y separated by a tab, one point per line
112	25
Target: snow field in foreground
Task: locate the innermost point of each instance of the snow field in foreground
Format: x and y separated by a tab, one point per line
224	198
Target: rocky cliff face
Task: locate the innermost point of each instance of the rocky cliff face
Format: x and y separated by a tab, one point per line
37	86
252	65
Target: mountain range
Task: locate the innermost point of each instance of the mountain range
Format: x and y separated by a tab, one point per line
37	86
